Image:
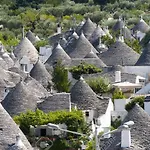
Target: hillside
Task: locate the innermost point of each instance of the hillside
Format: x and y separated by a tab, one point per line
42	16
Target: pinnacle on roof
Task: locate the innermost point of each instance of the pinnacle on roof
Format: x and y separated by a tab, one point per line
26	48
40	73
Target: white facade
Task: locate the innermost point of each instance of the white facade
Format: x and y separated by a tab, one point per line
25	64
44	130
120	111
104	121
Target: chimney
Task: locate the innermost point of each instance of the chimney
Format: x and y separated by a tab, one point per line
147	104
125	137
58	28
117	76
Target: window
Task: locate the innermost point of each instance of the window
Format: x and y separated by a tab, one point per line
43	132
87	113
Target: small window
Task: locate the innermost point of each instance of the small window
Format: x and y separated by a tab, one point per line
87	113
43	132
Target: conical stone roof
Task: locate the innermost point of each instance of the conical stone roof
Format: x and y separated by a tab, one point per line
58	54
33	39
119	54
118	25
71	41
9	131
84	96
98	32
81	48
26	48
19	99
40	73
141	26
127	33
88	28
144	59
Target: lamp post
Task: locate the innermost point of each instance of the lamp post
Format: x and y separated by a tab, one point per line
97	139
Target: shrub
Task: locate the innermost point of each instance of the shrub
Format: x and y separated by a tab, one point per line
116	123
74	120
60	78
137	100
134	44
107	40
83	68
117	94
99	84
40	44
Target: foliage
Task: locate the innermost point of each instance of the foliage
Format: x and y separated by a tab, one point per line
41	43
99	84
60	78
116	123
134	44
117	94
107	40
137	100
83	68
74	120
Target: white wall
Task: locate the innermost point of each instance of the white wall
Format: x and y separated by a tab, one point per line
120	104
91	115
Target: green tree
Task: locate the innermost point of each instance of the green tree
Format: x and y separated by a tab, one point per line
60	78
74	120
137	100
99	84
118	94
83	68
107	40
